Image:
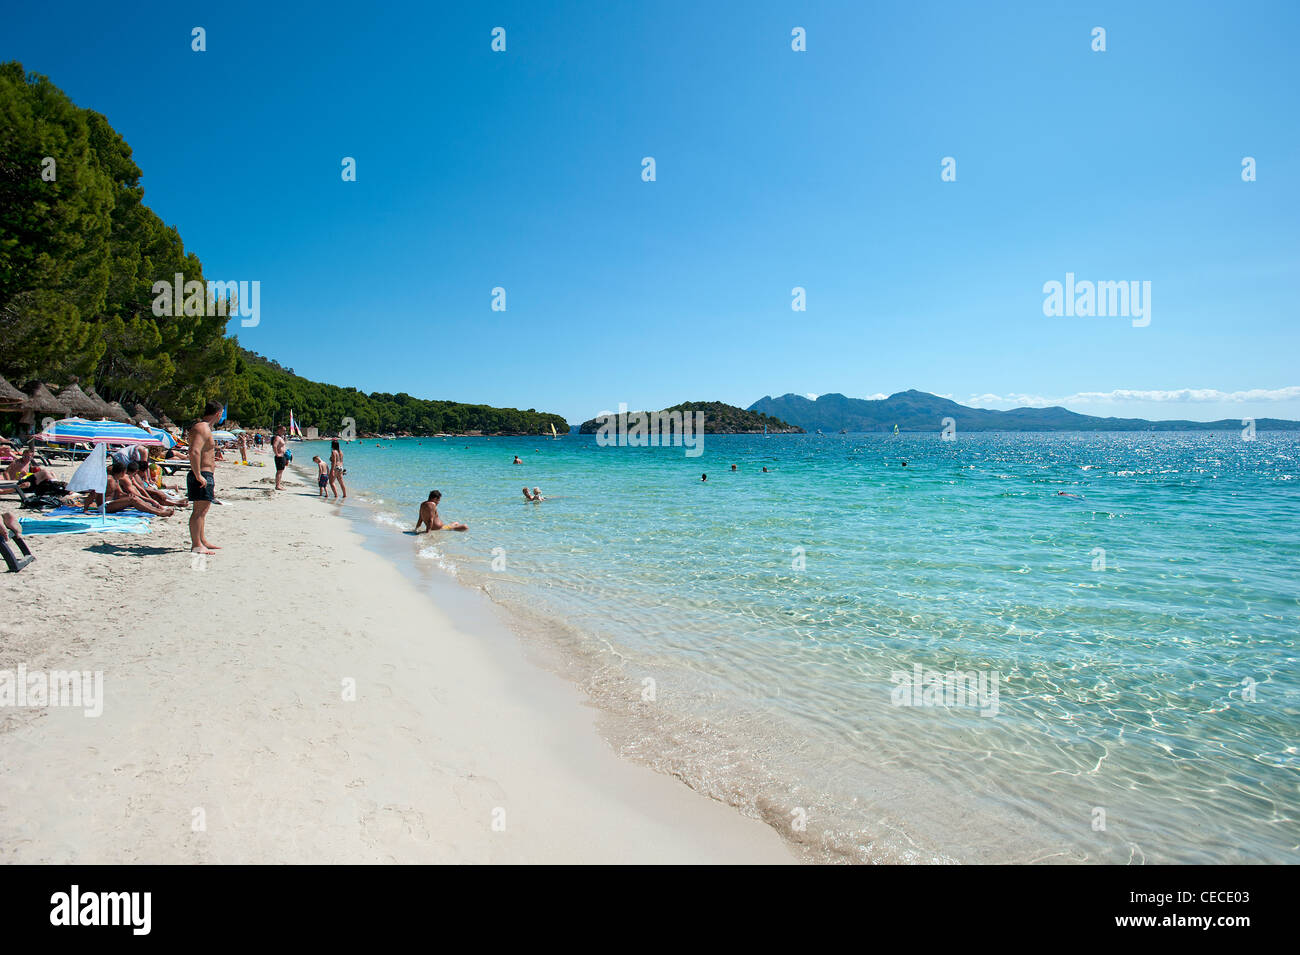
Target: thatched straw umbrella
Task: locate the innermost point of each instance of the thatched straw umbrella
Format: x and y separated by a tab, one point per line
41	404
41	401
141	413
93	395
79	403
10	396
117	412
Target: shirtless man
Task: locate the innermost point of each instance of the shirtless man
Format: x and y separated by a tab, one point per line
429	516
37	478
278	444
200	482
24	464
18	467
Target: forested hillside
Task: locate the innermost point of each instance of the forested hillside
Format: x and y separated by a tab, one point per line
79	255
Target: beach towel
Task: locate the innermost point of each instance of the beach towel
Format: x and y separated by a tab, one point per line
85	523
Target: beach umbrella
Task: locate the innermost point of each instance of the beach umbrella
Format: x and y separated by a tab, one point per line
78	402
10	396
41	401
92	475
167	440
223	436
79	430
117	412
141	413
95	397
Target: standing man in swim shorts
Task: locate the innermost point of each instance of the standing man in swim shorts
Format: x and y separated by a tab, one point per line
200	481
281	462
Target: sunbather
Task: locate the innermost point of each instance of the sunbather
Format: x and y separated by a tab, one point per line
31	477
121	495
135	478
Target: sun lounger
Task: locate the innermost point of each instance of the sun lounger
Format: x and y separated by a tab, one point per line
16	564
36	501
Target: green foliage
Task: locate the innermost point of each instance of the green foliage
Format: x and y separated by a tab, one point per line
79	254
274	391
719	418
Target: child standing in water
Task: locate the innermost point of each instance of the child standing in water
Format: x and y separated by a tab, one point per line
322	476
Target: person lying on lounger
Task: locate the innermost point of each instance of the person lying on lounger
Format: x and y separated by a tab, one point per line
32	478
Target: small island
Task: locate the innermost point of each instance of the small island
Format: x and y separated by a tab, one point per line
719	418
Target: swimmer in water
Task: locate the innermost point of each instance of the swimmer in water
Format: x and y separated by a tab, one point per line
704	477
516	460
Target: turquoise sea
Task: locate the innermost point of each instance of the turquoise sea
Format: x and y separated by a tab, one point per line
758	634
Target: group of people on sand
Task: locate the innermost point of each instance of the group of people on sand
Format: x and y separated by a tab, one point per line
328	475
134	481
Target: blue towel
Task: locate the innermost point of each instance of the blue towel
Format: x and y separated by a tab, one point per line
84	524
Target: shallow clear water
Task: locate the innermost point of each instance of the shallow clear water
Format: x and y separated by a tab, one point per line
1147	711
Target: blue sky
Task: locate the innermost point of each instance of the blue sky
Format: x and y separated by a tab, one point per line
775	169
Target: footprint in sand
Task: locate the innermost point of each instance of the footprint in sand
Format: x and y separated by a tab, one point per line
478	793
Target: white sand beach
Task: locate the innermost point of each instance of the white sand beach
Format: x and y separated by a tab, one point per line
226	737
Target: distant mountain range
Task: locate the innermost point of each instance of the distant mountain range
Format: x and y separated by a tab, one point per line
921	411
